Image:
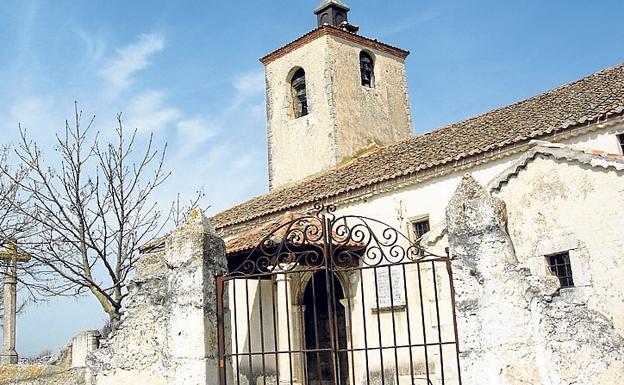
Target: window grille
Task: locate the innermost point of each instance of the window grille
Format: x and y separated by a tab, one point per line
560	267
420	228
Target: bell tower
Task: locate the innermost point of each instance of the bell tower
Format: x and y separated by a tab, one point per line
332	94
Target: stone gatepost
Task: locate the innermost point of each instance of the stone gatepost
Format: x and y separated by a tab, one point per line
514	328
195	256
168	334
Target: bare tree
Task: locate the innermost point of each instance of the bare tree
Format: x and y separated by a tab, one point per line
179	211
90	211
13	224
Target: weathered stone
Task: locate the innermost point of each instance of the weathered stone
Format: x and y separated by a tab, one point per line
344	117
169	332
48	369
514	327
83	344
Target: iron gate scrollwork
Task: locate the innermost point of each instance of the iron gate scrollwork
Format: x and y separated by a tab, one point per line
326	299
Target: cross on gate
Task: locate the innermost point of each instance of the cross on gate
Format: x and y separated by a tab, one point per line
12	256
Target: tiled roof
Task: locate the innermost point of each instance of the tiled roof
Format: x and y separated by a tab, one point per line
290	225
248	240
334	31
585	101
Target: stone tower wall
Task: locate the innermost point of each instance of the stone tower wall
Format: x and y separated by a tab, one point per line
303	146
364	116
344	117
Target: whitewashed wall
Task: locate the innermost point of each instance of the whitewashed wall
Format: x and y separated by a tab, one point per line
430	199
557	206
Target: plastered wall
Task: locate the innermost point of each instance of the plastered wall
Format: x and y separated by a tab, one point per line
515	326
559	206
344	116
364	116
303	146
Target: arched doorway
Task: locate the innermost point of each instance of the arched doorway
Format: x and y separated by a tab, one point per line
326	359
393	320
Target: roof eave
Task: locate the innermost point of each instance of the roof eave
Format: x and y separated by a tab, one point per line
327	29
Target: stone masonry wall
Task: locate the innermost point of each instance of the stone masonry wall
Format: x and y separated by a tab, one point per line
309	139
344	117
363	116
168	334
514	327
40	375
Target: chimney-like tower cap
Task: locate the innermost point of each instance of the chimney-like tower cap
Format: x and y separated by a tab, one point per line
328	3
332	12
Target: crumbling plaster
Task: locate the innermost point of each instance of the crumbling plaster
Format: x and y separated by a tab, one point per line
514	326
558	205
168	334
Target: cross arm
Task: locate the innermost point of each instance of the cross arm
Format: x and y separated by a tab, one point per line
17	256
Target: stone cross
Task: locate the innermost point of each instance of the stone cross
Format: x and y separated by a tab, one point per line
12	256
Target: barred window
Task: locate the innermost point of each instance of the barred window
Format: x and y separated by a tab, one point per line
561	268
420	228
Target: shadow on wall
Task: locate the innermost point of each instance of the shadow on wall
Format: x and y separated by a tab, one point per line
255	315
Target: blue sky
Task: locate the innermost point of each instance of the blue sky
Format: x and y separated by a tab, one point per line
188	71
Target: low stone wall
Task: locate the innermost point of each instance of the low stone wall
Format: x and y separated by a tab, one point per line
40	375
55	369
515	327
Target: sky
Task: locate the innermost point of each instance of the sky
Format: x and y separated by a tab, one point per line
188	72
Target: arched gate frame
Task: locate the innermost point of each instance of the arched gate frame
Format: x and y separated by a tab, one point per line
337	300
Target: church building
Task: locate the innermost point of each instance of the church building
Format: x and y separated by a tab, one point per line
488	251
340	145
339	130
485	252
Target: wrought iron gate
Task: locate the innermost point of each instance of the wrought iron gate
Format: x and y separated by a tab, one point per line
336	300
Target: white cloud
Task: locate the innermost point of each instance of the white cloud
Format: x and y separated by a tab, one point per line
38	115
250	84
210	148
197	129
130	59
30	107
94	46
148	112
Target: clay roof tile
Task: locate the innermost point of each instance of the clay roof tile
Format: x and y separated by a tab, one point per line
582	102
